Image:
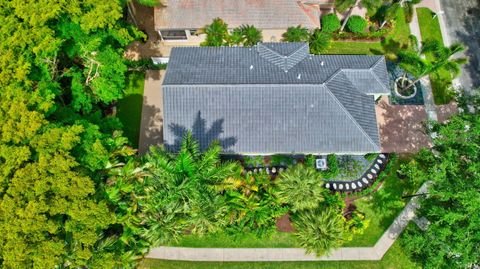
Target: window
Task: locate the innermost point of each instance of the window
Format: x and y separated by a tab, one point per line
173	34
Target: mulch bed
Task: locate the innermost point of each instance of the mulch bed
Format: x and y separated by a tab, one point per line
284	224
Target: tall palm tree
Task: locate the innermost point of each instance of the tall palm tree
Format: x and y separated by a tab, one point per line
296	34
299	182
390	13
441	58
319	231
342	6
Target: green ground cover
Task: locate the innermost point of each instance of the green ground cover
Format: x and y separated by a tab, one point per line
354	47
129	109
395	258
441	80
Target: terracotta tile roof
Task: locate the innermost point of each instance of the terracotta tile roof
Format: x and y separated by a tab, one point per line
263	14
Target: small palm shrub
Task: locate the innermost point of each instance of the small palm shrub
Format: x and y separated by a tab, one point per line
319	42
217	33
296	34
356	24
330	23
251	35
319	231
333	169
298	183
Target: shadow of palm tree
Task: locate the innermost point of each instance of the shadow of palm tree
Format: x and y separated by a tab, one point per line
205	136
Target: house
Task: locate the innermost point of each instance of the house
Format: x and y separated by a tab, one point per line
274	98
179	20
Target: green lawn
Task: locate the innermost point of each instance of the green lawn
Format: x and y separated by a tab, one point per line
383	206
395	258
441	80
129	109
220	240
354	47
397	39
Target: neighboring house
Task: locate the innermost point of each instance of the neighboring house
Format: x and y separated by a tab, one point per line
180	19
274	98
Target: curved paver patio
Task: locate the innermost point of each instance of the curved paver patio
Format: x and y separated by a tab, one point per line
294	254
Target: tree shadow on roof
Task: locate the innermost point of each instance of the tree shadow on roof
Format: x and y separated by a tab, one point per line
205	136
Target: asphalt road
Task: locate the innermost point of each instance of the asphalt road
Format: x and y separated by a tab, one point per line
463	25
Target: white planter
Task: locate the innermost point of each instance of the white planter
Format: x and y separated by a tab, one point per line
398	94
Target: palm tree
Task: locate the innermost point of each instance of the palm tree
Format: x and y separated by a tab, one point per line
319	42
390	13
413	63
217	33
319	231
342	6
251	35
181	193
296	34
299	182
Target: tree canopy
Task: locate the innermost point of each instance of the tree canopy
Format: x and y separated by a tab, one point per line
452	206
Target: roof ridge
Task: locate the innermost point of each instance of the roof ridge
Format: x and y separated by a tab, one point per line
378	79
349	115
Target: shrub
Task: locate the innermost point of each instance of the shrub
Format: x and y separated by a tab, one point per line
333	170
299	182
319	42
356	24
330	23
296	34
144	64
370	156
321	230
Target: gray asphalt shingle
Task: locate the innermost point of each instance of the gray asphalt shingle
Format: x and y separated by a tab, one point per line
255	104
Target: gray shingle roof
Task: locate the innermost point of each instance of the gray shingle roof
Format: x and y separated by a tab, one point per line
264	14
271	108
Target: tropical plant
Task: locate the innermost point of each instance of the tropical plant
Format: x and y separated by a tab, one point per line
319	42
332	167
320	230
299	182
253	204
356	24
217	33
389	13
251	35
413	63
182	192
451	207
330	23
296	34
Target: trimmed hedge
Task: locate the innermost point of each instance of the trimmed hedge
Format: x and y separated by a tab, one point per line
356	24
330	23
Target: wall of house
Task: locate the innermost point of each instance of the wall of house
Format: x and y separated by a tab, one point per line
269	35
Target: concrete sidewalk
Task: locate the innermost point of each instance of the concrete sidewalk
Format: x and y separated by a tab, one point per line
294	254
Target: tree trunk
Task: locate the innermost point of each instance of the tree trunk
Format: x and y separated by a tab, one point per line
383	24
349	13
130	9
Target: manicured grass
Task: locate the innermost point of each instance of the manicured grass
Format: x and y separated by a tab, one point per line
441	80
220	240
129	108
355	47
398	39
383	206
395	258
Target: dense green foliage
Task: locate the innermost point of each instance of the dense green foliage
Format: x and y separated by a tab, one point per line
218	35
299	182
296	34
61	66
319	42
356	24
452	206
330	23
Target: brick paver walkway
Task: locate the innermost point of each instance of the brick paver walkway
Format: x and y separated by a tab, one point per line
294	254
